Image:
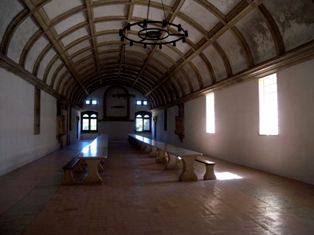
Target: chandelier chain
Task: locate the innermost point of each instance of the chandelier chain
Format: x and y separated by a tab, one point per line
148	10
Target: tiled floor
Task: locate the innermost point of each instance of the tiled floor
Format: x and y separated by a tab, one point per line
139	197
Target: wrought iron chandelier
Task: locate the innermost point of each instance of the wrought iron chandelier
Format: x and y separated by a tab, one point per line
153	32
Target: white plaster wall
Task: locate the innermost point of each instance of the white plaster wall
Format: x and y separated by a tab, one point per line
116	130
237	138
18	144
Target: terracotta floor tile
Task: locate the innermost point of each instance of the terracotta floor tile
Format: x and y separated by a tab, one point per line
139	197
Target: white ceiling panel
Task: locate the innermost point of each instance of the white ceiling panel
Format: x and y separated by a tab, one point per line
234	51
108	38
74	36
165	2
216	61
78	47
199	14
194	34
203	70
21	36
57	7
171	52
154	13
192	76
52	70
110	10
109	25
6	16
81	56
225	6
34	52
108	47
45	61
69	22
61	74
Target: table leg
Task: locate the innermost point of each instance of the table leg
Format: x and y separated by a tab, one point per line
188	173
92	171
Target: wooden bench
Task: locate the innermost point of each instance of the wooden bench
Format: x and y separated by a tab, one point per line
68	178
209	173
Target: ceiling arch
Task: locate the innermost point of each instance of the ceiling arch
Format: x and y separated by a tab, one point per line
72	47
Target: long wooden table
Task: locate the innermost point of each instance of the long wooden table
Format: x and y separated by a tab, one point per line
93	154
169	152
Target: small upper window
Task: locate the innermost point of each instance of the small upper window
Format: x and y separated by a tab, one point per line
141	102
91	102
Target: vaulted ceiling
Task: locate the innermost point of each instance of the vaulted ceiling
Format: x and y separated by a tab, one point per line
70	48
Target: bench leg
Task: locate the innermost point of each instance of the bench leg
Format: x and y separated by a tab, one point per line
172	162
161	156
92	172
188	173
210	173
68	177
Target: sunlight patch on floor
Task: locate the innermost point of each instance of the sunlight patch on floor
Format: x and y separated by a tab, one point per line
227	176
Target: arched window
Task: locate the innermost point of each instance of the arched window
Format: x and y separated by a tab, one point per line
89	121
143	121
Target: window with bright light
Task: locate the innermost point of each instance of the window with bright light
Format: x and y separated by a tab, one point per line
89	121
91	102
210	113
143	121
85	122
139	123
268	105
146	123
141	102
93	122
